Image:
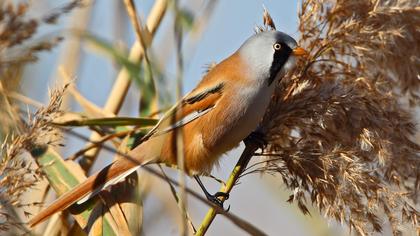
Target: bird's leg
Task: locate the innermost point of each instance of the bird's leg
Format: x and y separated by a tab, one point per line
215	197
257	137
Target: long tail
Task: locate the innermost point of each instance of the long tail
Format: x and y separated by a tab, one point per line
93	185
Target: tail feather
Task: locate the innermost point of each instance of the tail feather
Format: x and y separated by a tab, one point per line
149	151
111	174
110	182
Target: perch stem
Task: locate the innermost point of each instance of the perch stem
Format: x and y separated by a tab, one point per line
233	178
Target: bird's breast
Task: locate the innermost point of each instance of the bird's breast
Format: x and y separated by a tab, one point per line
252	104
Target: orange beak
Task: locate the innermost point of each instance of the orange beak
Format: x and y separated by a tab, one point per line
300	52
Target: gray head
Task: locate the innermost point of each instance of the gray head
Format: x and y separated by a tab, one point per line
269	54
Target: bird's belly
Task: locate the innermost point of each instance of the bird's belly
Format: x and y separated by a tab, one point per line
253	115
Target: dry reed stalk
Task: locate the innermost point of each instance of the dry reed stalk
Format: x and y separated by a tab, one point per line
70	55
89	107
176	197
123	81
21	98
143	37
55	226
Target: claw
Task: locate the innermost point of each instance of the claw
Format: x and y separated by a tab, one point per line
222	194
216	200
215	197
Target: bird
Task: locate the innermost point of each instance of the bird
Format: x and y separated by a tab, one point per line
224	108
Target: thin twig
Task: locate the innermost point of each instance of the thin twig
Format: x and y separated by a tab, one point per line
220	181
179	132
143	37
98	143
70	55
175	195
23	98
87	105
135	20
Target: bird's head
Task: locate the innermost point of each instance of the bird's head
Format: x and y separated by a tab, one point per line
270	55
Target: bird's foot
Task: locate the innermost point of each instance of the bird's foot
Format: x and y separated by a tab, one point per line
256	138
215	198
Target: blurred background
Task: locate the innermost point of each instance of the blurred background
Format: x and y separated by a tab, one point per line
215	29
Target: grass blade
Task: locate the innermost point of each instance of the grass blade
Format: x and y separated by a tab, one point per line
108	121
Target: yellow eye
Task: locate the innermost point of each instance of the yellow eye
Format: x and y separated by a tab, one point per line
277	46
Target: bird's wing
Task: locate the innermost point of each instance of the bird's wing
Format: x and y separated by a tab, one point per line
194	105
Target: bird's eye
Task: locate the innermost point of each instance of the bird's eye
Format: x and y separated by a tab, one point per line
277	46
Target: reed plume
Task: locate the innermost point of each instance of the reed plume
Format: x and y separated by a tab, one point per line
341	133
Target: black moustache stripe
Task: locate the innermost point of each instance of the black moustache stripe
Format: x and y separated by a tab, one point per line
279	59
